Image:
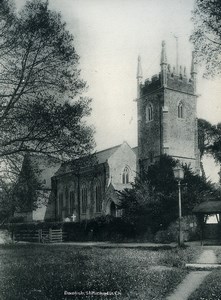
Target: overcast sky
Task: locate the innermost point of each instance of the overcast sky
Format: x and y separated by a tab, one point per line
109	35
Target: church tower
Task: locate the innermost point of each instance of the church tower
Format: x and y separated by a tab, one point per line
166	107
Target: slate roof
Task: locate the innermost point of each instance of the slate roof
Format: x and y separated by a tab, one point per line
103	155
208	207
96	158
135	149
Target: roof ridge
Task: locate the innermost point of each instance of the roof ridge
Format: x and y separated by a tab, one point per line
107	149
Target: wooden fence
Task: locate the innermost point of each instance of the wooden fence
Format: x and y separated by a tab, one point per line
38	235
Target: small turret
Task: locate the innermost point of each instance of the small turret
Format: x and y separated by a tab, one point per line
184	72
181	72
139	75
163	64
193	72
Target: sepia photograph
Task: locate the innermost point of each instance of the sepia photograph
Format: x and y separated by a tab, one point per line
110	149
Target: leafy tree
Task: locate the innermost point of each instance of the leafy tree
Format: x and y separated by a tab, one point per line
206	137
209	141
41	110
7	19
7	205
153	201
28	188
207	35
215	148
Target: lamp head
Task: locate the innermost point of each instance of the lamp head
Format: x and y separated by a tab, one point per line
178	173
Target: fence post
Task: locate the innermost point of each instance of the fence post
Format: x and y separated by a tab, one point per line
40	235
50	235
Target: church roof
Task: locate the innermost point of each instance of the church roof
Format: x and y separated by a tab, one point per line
103	155
208	207
94	159
135	150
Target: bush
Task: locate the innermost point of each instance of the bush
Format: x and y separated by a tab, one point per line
190	231
163	236
17	219
104	228
33	226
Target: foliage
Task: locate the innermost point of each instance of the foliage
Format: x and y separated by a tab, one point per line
7	206
27	189
190	230
209	137
37	272
41	110
215	148
207	35
104	228
153	201
32	226
206	136
197	190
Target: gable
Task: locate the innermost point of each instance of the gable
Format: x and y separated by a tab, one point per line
123	157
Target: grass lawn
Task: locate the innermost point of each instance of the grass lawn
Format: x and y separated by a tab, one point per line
40	272
210	289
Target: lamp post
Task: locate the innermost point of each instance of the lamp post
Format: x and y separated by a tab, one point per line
179	175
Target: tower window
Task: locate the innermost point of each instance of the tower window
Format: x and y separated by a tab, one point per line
149	113
126	175
98	196
180	111
84	199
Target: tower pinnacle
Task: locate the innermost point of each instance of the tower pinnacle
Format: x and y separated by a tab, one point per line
163	54
139	68
193	72
193	65
163	63
139	75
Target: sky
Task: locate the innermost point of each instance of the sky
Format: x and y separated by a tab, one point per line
109	36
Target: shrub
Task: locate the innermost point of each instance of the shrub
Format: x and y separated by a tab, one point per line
102	228
163	236
16	219
190	231
33	226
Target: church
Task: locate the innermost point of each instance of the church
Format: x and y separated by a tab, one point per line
167	124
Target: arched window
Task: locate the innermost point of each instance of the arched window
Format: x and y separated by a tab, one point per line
126	175
98	196
149	112
180	110
84	199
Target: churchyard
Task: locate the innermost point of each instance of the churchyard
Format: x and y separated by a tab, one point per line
43	271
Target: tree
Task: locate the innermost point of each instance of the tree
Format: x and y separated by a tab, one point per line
206	138
28	188
206	36
215	148
41	110
153	201
209	141
7	204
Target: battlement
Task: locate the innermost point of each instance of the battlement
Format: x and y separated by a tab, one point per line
180	83
151	85
175	79
177	82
